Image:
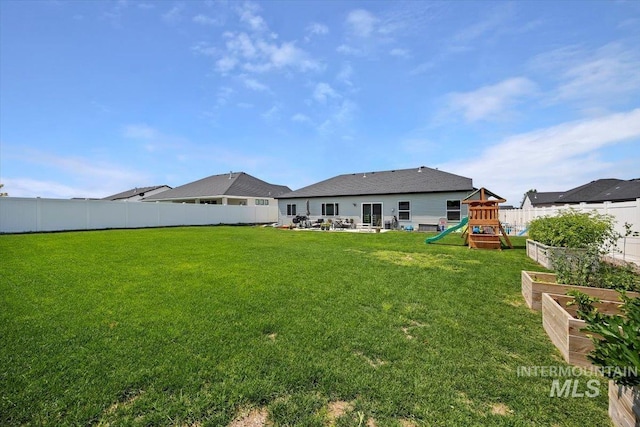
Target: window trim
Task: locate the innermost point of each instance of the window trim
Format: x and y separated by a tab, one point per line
401	211
458	210
336	209
292	209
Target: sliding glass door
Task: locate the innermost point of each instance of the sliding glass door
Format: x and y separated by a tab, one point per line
372	214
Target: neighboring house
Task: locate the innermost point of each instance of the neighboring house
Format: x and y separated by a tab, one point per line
419	197
233	188
136	194
598	191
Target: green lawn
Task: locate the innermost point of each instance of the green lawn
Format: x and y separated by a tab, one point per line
193	326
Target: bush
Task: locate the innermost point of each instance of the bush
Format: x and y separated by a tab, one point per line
618	351
571	229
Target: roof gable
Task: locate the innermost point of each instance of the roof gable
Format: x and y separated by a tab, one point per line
401	181
138	191
544	198
229	184
483	195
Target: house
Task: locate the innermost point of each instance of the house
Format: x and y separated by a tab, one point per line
138	193
598	191
233	188
420	197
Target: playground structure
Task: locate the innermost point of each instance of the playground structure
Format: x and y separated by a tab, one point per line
449	230
484	230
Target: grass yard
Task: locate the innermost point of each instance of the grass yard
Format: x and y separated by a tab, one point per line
197	326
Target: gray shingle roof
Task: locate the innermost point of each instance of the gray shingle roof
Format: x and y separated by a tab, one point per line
544	198
138	191
228	184
586	192
619	192
416	180
601	190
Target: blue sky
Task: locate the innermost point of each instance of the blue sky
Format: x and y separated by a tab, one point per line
98	97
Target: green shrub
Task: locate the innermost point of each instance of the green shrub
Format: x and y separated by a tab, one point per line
572	229
618	351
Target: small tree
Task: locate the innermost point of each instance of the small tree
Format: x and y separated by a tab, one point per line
524	196
585	237
573	229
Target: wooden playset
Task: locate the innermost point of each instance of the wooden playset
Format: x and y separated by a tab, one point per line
484	230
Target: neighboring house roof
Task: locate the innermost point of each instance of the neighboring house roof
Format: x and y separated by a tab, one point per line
601	190
586	192
544	198
400	181
138	191
229	184
622	191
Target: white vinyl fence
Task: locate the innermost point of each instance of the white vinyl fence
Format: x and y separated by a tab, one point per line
517	221
18	215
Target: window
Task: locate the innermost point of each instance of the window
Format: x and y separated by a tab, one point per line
330	209
404	211
453	210
261	202
291	210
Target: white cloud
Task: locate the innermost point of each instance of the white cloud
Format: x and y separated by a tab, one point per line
204	48
555	158
226	64
240	45
140	131
345	74
491	24
253	84
85	177
223	96
256	55
317	29
272	113
204	20
153	139
400	53
323	91
489	102
346	49
339	117
174	15
361	22
249	15
602	77
26	187
300	118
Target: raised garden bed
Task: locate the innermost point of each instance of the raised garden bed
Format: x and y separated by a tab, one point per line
624	405
565	330
544	254
534	284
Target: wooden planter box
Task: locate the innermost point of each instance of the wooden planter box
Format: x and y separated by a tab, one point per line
534	284
624	405
543	254
565	330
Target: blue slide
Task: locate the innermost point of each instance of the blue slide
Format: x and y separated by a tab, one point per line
464	222
523	231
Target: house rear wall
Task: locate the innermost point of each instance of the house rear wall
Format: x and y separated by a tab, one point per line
425	208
